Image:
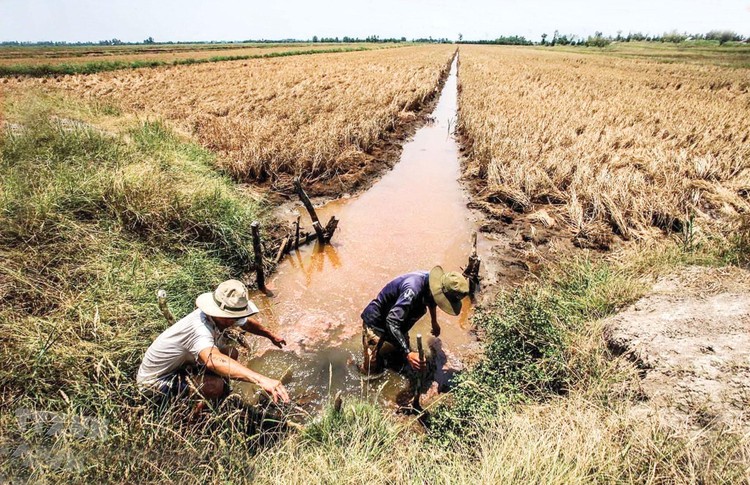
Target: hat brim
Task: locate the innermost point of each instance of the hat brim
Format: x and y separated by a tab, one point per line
450	307
208	306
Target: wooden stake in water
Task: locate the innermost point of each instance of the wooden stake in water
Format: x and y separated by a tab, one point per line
296	233
471	272
259	275
418	390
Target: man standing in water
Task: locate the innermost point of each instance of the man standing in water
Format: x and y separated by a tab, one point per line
400	304
188	350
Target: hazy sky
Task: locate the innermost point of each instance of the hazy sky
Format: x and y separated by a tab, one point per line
134	20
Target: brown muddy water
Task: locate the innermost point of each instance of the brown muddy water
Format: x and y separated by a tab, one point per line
413	218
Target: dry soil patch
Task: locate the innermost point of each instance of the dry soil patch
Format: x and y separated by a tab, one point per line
690	336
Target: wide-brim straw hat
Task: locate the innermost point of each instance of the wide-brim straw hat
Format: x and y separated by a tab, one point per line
229	300
448	289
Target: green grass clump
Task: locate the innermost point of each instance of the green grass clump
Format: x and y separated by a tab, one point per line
93	224
529	335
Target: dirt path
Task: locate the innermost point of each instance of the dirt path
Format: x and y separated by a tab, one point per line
690	337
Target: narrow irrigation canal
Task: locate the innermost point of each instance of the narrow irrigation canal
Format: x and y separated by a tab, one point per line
413	218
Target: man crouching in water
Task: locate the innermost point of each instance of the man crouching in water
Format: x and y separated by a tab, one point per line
188	350
400	304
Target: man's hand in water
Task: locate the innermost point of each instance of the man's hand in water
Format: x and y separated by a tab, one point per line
275	389
413	359
278	341
435	329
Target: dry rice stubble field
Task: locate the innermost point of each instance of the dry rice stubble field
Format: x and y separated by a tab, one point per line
70	56
319	116
607	146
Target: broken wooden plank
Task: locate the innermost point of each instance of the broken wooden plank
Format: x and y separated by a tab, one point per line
296	233
282	249
331	228
420	373
320	232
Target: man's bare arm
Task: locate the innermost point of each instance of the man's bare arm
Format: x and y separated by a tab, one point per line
256	328
223	365
433	318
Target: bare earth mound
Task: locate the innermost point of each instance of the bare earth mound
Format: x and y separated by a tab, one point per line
691	337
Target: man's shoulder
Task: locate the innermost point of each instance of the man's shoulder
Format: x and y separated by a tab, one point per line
415	280
196	320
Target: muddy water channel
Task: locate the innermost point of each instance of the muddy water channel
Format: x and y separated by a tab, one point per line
413	218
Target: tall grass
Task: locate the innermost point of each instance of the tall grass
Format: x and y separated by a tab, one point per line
93	223
536	343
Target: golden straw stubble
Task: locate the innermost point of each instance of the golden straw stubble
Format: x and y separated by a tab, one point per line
622	144
315	115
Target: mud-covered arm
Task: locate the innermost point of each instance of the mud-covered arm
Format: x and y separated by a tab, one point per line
396	317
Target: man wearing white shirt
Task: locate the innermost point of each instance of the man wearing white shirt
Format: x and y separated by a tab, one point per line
189	348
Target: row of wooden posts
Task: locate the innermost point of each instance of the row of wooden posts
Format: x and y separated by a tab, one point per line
294	239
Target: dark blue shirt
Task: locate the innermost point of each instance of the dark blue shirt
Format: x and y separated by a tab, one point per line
398	306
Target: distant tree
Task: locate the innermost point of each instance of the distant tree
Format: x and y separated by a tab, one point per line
315	38
598	40
674	37
554	38
460	36
723	36
149	40
544	39
565	39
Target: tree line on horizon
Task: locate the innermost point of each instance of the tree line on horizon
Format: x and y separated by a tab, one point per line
601	40
596	40
151	41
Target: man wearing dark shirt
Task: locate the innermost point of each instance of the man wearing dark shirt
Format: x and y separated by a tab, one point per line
401	303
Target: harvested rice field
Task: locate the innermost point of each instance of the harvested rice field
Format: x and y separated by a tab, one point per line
607	145
270	119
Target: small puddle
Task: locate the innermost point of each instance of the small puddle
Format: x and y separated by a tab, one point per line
413	218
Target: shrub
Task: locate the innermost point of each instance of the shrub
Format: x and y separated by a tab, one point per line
528	344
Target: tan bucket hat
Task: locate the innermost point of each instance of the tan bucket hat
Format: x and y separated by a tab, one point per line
448	289
229	300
